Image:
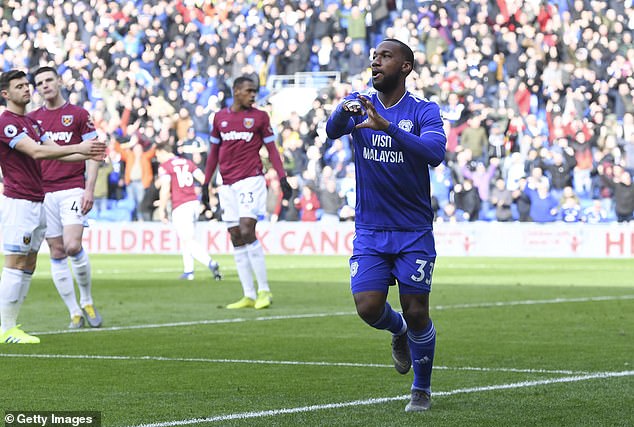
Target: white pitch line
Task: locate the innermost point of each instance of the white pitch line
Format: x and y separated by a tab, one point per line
339	313
535	302
374	401
196	322
276	362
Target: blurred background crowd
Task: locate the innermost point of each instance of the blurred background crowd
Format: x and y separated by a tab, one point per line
537	95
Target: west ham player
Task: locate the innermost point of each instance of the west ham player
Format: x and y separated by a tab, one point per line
236	138
177	177
69	189
397	136
22	143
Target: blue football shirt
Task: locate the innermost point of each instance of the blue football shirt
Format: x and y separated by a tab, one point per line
392	167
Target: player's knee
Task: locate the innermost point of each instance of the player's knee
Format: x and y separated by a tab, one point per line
247	235
369	310
72	248
416	318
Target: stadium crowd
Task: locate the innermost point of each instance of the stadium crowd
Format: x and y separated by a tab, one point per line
538	95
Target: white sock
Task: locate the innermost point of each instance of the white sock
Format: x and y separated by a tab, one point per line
256	256
27	276
198	252
188	261
10	298
63	280
244	271
83	275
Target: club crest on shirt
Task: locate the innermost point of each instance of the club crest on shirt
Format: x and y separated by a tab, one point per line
223	124
354	267
10	131
67	119
26	239
406	125
248	122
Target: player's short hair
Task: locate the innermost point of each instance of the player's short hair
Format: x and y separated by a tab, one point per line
405	50
7	76
240	80
164	146
44	69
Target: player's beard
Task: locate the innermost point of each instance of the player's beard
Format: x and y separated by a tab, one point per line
387	83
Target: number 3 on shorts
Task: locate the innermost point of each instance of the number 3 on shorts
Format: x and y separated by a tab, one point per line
425	271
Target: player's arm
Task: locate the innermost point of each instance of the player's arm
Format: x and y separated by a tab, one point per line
430	144
49	150
164	196
75	157
212	161
340	121
199	176
88	198
276	162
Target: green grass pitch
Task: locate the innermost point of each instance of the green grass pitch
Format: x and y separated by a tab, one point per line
535	342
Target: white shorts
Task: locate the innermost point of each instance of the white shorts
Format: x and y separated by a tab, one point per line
243	199
184	219
63	208
23	226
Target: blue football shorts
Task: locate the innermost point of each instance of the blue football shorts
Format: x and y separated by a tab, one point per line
379	257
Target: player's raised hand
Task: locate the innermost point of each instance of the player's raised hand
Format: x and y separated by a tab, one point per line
353	107
375	120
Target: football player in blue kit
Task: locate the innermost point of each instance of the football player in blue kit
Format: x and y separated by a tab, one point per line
397	136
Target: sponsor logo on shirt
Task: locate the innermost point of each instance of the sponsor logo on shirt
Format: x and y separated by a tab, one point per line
10	131
236	136
59	136
406	125
67	119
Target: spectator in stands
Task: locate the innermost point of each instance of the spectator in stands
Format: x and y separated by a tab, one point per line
522	201
501	199
450	214
331	202
623	195
543	203
307	204
337	156
481	178
475	138
569	206
150	201
558	165
138	170
595	213
583	157
441	184
358	60
101	187
467	199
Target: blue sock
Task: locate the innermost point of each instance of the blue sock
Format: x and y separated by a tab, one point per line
391	320
422	345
